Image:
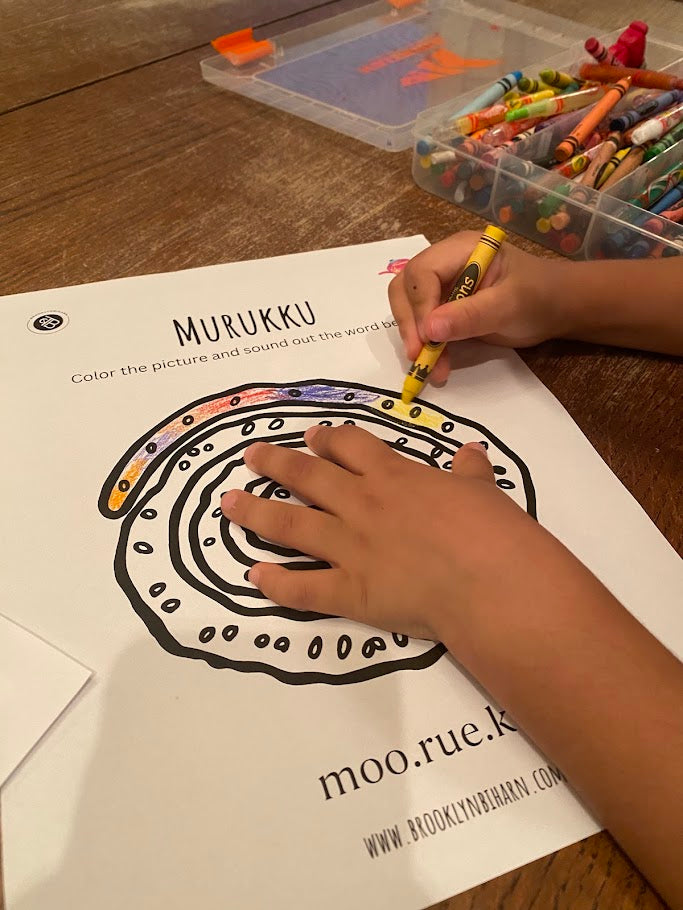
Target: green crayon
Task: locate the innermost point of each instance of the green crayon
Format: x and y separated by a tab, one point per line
556	79
527	85
668	139
551	203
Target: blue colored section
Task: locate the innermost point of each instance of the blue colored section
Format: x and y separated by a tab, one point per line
332	76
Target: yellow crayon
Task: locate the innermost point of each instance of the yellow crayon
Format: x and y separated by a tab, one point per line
610	167
466	284
556	79
523	100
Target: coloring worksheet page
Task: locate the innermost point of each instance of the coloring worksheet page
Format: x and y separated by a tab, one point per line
229	752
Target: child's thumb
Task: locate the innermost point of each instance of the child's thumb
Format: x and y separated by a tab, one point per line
469	317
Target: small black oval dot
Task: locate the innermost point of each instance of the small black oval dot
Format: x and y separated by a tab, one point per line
216	513
184	465
276	424
415	412
387	404
437	452
141	546
373	644
170	605
188	419
402	441
235	400
295	393
246	575
209	541
281	644
447	465
151	447
230	632
349	396
315	648
325	423
208	447
248	428
447	426
505	484
158	588
343	647
262	641
499	469
283	494
483	442
350	423
193	452
148	514
124	486
207	634
400	640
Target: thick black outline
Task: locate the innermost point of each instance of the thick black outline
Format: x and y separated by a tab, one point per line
138	497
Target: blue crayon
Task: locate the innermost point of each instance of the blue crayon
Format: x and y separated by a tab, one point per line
490	95
667	200
424	147
646	108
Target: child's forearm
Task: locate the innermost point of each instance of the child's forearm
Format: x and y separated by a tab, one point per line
596	692
630	304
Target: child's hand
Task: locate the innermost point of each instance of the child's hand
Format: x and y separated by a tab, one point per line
516	304
411	547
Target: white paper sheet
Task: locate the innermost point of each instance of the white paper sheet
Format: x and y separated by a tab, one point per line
37	683
181	779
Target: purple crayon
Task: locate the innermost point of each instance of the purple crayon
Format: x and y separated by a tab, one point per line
645	108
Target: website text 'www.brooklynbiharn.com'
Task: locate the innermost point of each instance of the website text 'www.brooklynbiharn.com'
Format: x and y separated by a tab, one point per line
490	726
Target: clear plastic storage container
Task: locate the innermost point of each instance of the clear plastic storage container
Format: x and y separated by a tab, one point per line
511	188
370	72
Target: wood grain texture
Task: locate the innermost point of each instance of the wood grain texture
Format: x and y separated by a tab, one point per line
154	170
46	48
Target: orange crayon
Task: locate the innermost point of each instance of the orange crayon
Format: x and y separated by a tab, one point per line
601	72
578	136
477	120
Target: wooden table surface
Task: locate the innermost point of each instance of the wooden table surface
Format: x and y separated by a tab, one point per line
116	159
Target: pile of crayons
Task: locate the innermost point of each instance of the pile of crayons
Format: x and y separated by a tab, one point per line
611	119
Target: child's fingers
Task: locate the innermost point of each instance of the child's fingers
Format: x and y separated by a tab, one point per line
442	368
404	316
423	290
317	590
470	317
314	479
296	527
471	460
350	447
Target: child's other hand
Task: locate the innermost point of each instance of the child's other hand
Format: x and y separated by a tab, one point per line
412	548
516	304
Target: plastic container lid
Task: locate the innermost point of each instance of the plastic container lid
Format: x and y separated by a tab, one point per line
370	72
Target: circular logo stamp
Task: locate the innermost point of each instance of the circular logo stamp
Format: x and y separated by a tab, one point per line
44	323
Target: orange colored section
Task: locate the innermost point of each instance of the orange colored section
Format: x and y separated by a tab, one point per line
240	48
419	47
440	64
401	4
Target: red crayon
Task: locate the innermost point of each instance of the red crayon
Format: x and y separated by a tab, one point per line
629	48
600	54
601	72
